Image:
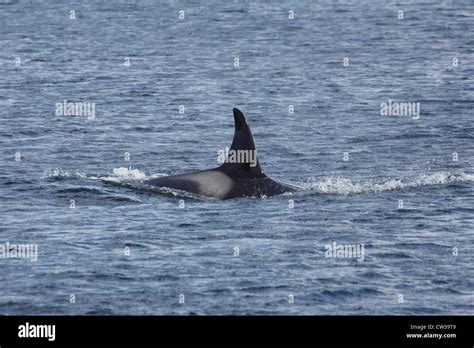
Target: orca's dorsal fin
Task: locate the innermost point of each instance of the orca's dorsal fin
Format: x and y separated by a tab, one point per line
243	140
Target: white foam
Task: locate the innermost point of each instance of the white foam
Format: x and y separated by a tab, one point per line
343	186
122	175
59	173
118	175
129	173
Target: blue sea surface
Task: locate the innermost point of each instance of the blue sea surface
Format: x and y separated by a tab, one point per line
401	187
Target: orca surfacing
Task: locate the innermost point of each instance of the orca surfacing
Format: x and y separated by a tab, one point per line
230	180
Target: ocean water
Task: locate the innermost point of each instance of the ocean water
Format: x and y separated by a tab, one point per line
400	187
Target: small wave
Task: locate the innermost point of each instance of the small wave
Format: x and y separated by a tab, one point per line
60	174
120	199
343	186
81	189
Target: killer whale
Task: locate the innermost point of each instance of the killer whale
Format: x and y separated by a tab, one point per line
230	180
